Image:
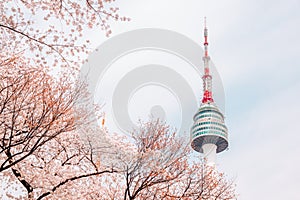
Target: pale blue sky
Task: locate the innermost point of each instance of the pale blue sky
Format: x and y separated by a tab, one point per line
255	46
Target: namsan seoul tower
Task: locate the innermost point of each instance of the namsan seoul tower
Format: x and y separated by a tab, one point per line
209	135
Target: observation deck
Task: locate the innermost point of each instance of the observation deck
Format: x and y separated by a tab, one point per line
209	128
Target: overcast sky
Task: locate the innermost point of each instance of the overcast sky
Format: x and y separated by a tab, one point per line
255	46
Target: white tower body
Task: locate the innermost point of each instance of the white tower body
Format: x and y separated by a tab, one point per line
210	152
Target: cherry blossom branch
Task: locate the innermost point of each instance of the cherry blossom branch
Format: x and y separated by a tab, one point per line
37	41
73	179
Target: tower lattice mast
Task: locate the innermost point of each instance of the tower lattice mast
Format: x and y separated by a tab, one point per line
207	78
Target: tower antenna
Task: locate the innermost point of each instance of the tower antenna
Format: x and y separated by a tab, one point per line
207	78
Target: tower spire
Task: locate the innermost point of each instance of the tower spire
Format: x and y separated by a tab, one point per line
207	78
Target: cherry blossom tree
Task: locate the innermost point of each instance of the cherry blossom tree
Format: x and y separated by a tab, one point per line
160	167
53	32
37	122
63	168
152	164
35	109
